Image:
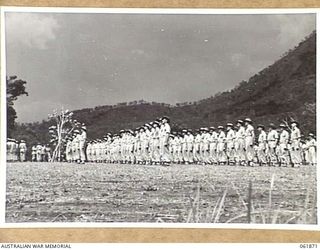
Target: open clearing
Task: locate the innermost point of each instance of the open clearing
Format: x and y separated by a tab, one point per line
62	192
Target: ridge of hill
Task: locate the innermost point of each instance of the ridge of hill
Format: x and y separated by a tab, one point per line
285	90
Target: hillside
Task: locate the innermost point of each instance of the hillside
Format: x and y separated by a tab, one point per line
285	89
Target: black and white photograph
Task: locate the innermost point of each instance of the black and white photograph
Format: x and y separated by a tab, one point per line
160	118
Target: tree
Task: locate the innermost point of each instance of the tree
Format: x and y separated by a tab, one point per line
58	133
15	88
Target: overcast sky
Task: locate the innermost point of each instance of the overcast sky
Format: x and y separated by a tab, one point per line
84	60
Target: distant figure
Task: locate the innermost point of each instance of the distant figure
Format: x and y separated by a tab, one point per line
9	149
22	150
295	144
48	153
311	153
34	153
38	153
262	145
15	150
43	153
82	143
249	141
272	139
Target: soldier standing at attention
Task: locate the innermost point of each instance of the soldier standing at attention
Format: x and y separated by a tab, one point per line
240	143
34	153
22	150
206	144
213	145
190	140
196	147
164	132
295	144
221	146
82	143
184	146
272	140
38	152
311	152
230	144
283	146
262	145
9	149
249	141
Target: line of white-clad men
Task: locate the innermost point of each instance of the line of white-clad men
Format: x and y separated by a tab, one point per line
16	151
153	143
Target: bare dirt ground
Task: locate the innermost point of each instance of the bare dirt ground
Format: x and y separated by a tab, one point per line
62	192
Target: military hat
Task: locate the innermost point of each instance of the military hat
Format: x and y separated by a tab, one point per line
165	118
260	126
220	127
229	124
240	122
282	125
295	122
205	129
190	130
184	130
271	125
22	140
84	128
248	120
311	135
76	131
212	128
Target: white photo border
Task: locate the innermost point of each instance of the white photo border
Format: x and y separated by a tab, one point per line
169	11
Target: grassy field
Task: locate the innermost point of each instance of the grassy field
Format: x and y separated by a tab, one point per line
62	192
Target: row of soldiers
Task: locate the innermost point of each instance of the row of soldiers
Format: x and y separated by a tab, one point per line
75	150
41	153
16	150
153	143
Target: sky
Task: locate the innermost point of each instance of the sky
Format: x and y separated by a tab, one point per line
84	60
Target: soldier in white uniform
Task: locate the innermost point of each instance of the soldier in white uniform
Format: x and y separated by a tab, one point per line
262	145
164	132
240	134
249	141
39	152
184	146
311	152
34	153
82	144
295	144
283	146
213	140
196	147
190	141
230	149
221	154
10	149
272	139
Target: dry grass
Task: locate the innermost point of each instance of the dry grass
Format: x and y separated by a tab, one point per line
55	192
256	213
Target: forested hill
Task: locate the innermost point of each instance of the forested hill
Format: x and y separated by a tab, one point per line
284	90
